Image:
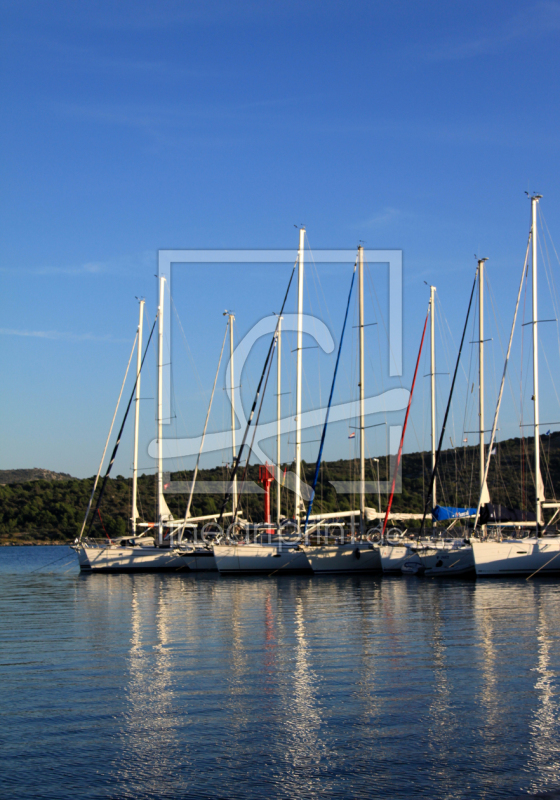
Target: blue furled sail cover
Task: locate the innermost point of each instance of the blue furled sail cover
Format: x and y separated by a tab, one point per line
439	513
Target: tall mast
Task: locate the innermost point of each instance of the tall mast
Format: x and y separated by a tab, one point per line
278	422
485	497
231	317
160	499
362	398
137	420
298	374
539	489
433	387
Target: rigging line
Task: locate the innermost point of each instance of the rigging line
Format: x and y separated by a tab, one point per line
434	471
468	414
447	359
550	280
543	220
50	563
469	402
308	394
371	287
116	447
256	398
319	281
188	509
496	464
255	429
108	439
499	326
546	459
318	464
391	354
375	371
451	336
316	281
180	462
496	413
187	347
398	461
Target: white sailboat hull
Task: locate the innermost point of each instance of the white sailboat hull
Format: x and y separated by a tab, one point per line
357	557
447	561
199	559
438	558
111	558
393	557
517	557
260	558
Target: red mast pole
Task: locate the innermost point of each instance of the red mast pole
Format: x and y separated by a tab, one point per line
266	478
404	428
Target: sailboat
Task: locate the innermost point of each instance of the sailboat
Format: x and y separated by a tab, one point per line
455	557
152	546
358	554
435	555
538	552
268	552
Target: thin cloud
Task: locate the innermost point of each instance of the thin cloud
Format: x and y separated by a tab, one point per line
60	335
540	20
87	269
382	218
122	265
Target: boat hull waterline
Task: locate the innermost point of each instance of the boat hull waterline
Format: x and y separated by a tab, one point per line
517	557
260	559
129	559
332	559
445	561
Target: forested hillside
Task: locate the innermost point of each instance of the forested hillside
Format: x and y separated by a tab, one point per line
53	510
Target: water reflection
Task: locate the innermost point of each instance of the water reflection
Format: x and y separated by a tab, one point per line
544	727
351	686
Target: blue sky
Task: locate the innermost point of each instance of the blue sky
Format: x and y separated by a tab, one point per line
132	127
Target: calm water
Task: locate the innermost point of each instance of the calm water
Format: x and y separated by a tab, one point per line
155	686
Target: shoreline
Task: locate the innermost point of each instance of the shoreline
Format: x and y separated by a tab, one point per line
35	544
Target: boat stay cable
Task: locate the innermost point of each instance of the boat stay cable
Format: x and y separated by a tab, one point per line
119	436
108	439
189	503
442	434
255	429
325	425
496	413
399	454
256	398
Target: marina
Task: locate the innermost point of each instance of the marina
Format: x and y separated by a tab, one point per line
495	541
280	419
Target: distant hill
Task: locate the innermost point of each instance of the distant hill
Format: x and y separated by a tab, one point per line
43	506
35	474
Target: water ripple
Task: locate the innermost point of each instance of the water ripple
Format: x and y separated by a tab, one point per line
154	686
